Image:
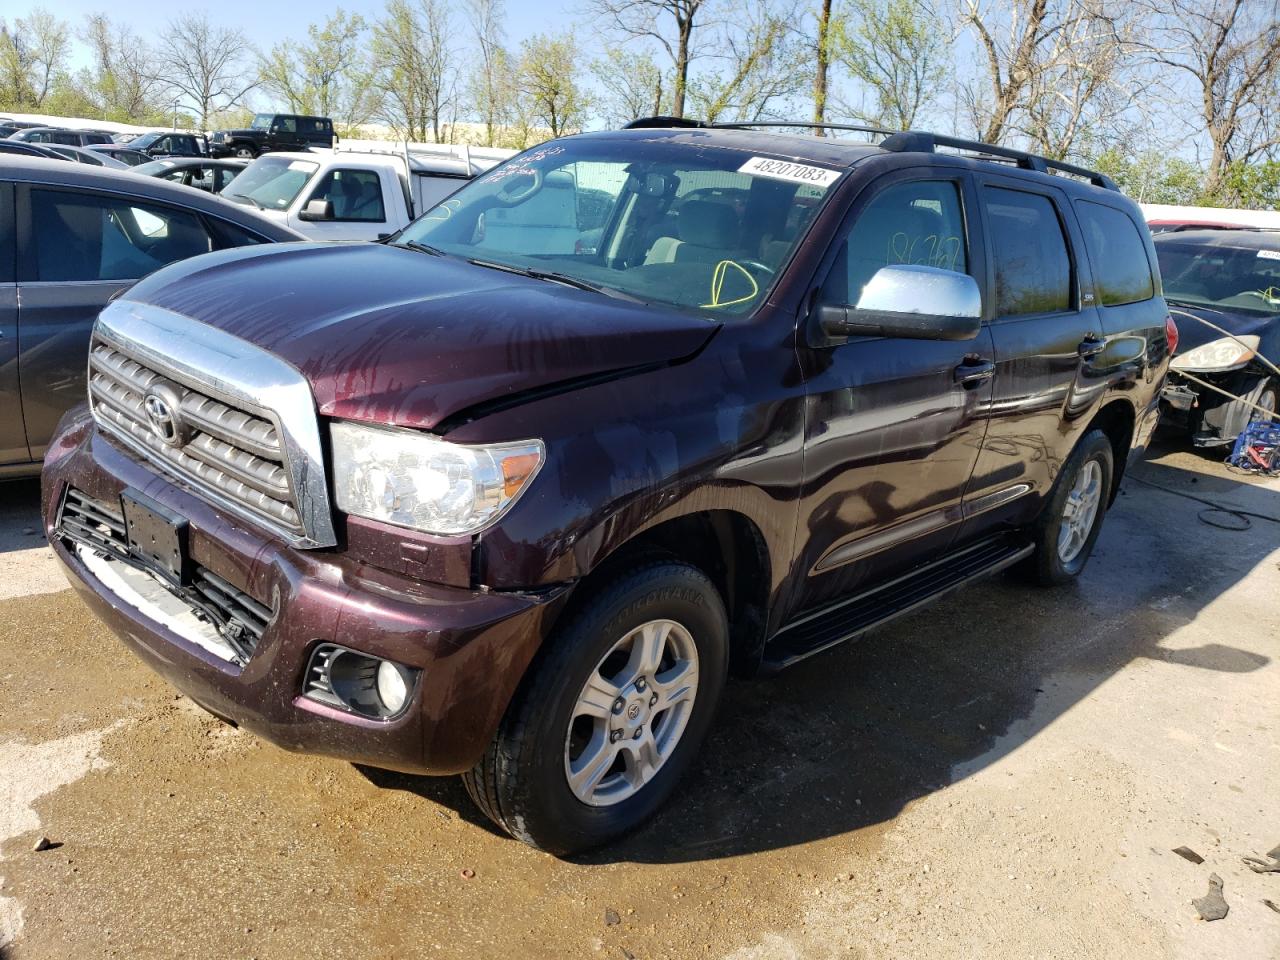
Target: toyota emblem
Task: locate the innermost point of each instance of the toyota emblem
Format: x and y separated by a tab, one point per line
161	406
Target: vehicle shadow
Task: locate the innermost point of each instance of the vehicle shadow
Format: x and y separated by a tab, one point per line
846	740
20	527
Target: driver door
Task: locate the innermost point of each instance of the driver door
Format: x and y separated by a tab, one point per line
893	426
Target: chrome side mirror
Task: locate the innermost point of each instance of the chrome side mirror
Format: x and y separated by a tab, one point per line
316	210
911	301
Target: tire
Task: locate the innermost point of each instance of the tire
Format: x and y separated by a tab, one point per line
243	152
1079	500
522	782
1264	395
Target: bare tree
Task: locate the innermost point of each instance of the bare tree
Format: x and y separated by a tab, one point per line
486	18
1078	103
896	53
631	86
46	41
417	77
207	65
119	81
821	60
1229	51
759	64
669	23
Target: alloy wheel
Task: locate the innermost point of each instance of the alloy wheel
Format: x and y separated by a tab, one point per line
1080	510
631	713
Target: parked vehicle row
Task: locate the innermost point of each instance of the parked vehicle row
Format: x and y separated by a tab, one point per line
509	494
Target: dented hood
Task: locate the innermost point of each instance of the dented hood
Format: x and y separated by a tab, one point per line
399	337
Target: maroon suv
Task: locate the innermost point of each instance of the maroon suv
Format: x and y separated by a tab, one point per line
510	495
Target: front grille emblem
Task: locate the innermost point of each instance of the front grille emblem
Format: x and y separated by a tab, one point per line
163	408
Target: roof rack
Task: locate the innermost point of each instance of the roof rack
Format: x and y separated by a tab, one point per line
902	141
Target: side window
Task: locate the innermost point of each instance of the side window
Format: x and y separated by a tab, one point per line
229	235
355	195
287	124
919	222
84	237
1033	269
1117	253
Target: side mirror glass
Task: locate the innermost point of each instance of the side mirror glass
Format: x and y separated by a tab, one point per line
317	210
910	301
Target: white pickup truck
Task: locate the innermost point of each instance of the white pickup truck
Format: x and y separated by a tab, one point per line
357	194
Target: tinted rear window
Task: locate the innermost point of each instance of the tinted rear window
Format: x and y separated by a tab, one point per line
1033	269
1121	270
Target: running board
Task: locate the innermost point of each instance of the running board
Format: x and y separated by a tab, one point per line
856	615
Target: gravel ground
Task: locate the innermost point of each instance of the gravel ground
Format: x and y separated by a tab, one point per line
1004	774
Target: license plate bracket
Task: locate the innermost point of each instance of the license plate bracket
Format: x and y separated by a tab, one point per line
157	537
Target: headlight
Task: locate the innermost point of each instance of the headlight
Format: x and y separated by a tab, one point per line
413	479
1218	355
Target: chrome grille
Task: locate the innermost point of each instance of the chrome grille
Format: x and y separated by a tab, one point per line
234	453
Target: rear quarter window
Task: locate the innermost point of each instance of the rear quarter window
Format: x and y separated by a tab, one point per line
1121	270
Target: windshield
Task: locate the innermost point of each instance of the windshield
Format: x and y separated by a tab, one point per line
271	182
144	141
261	121
1215	275
700	227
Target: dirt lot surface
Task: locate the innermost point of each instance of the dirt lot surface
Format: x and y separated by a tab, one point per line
1002	775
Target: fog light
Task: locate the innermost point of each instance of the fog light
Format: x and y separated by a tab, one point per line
358	683
393	686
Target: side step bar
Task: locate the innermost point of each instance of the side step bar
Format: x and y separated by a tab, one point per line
856	615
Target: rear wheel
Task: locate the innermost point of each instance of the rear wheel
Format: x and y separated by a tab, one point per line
1267	397
1069	525
610	717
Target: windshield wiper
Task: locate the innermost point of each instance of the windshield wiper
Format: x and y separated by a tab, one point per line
562	278
416	245
244	198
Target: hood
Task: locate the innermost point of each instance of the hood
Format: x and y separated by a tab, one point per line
1192	333
243	132
399	337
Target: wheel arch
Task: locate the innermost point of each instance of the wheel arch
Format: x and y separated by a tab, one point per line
729	547
1118	420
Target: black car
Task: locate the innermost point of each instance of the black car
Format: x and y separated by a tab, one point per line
69	138
9	127
83	234
273	131
1223	287
167	143
124	154
199	172
18	148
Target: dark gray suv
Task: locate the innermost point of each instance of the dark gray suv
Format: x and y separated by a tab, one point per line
72	237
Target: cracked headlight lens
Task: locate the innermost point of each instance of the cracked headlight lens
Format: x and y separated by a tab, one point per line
1216	355
417	480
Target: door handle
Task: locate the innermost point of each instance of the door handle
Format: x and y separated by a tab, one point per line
1090	346
974	371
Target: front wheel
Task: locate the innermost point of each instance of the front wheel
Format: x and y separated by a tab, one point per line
612	713
1069	525
245	152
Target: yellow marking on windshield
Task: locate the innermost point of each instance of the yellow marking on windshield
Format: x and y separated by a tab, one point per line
717	284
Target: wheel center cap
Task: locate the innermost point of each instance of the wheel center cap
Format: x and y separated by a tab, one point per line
634	711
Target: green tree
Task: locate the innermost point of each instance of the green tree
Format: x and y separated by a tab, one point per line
329	74
119	83
1152	176
758	67
894	50
549	78
631	85
416	77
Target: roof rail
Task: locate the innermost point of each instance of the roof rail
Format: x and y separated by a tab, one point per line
901	141
916	141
